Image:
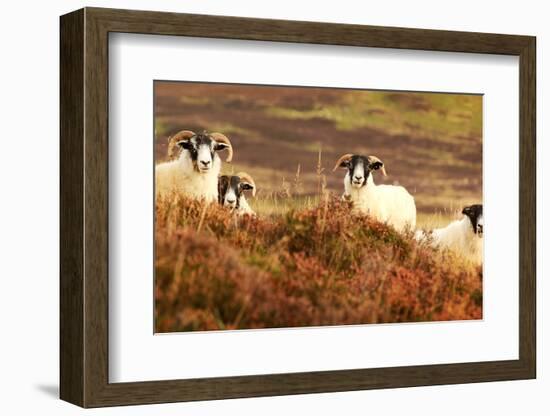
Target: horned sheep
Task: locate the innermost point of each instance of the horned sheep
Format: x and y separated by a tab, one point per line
194	171
231	192
391	204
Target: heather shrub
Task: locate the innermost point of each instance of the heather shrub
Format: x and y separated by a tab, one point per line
309	267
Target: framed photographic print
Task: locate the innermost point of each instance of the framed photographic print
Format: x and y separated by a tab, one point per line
256	207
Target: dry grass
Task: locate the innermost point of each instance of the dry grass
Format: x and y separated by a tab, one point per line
288	195
311	266
431	143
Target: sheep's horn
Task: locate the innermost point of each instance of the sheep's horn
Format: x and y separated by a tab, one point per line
245	177
223	139
343	158
373	159
173	147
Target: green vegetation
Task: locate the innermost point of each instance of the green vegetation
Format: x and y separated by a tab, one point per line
161	129
448	117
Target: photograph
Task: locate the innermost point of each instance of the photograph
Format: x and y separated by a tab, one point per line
306	206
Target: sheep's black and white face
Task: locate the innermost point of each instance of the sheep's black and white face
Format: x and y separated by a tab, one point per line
202	149
475	215
359	168
230	190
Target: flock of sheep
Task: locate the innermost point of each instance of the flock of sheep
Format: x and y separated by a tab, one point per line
194	169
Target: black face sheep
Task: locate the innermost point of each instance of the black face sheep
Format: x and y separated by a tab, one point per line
231	191
464	236
391	204
195	166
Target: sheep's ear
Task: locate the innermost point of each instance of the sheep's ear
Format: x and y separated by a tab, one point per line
343	162
184	144
468	211
220	146
245	186
376	164
471	213
222	142
246	182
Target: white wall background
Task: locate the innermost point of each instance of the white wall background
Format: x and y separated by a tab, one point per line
29	85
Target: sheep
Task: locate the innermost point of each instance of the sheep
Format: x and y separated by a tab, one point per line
391	204
464	236
231	192
194	171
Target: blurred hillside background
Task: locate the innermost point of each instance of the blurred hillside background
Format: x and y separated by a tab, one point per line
289	138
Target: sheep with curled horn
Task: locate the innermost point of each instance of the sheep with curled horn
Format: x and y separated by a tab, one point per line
231	190
194	166
391	204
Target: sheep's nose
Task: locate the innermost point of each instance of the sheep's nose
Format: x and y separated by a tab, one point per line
358	178
230	201
205	163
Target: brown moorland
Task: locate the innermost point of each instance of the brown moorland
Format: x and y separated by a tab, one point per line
306	260
313	267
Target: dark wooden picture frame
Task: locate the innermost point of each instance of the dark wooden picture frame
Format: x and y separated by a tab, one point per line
84	207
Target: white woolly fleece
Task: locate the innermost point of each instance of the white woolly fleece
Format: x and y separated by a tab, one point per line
391	204
181	176
460	237
244	208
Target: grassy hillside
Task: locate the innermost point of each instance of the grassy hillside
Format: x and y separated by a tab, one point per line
306	260
430	143
308	267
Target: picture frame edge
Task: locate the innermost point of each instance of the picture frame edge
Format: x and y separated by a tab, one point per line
84	233
71	335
